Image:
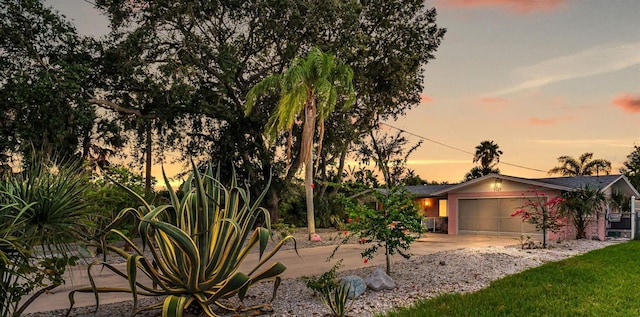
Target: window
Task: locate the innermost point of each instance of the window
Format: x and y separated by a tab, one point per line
443	211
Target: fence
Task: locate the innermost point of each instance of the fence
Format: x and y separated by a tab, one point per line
625	224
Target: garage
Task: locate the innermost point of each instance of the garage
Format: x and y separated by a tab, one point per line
492	216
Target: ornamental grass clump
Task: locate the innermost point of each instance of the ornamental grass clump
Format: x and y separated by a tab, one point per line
43	217
197	244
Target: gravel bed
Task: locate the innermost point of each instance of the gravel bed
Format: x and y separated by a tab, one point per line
457	271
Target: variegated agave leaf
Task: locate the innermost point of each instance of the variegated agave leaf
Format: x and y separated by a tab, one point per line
198	243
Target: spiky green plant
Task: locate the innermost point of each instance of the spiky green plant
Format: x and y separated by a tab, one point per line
197	244
42	215
336	298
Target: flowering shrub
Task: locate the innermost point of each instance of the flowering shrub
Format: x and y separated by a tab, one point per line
388	229
543	212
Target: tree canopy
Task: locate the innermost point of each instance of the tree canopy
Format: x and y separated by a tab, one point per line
46	71
223	49
309	91
177	73
488	156
631	167
584	165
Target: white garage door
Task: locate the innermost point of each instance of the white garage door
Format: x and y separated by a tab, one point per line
491	216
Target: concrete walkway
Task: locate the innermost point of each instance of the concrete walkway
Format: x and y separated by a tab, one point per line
312	261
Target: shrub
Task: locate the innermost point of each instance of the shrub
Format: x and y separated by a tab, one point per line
582	207
543	212
198	243
390	228
106	199
42	212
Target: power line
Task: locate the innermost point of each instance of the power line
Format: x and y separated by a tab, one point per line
458	149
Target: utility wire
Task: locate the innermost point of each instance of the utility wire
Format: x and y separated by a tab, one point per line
458	149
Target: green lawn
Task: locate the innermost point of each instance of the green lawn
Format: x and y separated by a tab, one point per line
604	282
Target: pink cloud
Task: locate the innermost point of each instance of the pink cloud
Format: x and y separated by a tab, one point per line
493	103
492	100
627	102
425	99
550	121
518	6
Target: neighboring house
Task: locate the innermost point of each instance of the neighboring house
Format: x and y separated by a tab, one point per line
484	205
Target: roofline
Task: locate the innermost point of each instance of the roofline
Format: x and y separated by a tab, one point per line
626	180
505	177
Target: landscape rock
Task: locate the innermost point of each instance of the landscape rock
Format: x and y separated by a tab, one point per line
379	280
357	286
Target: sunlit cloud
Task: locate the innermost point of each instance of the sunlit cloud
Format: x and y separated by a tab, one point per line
586	142
492	100
493	103
425	98
517	6
550	121
597	60
628	103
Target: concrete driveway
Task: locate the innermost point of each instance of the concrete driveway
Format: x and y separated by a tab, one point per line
311	261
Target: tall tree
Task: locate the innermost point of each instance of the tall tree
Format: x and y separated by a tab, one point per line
584	165
225	48
582	207
479	171
631	167
46	68
390	154
309	90
488	155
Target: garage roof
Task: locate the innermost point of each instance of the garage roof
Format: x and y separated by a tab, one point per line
560	183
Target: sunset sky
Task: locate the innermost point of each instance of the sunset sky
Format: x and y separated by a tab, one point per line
541	78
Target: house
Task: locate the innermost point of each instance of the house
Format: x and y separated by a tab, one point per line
483	206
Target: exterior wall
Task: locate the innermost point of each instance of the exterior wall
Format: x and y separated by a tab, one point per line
491	185
596	230
429	207
453	203
508	190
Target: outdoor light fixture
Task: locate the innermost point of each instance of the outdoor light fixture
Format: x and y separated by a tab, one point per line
497	185
427	203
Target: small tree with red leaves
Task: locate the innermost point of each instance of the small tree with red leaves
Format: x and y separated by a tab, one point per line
543	212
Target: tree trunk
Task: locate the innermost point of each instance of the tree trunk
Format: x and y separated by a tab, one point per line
147	176
307	153
387	257
289	146
320	138
273	203
308	190
545	217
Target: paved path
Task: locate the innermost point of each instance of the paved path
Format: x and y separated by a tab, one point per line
312	261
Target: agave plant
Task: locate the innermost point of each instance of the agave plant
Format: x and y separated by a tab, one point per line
335	299
197	243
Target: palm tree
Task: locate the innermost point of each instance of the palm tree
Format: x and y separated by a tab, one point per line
582	207
584	165
477	172
486	153
310	87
